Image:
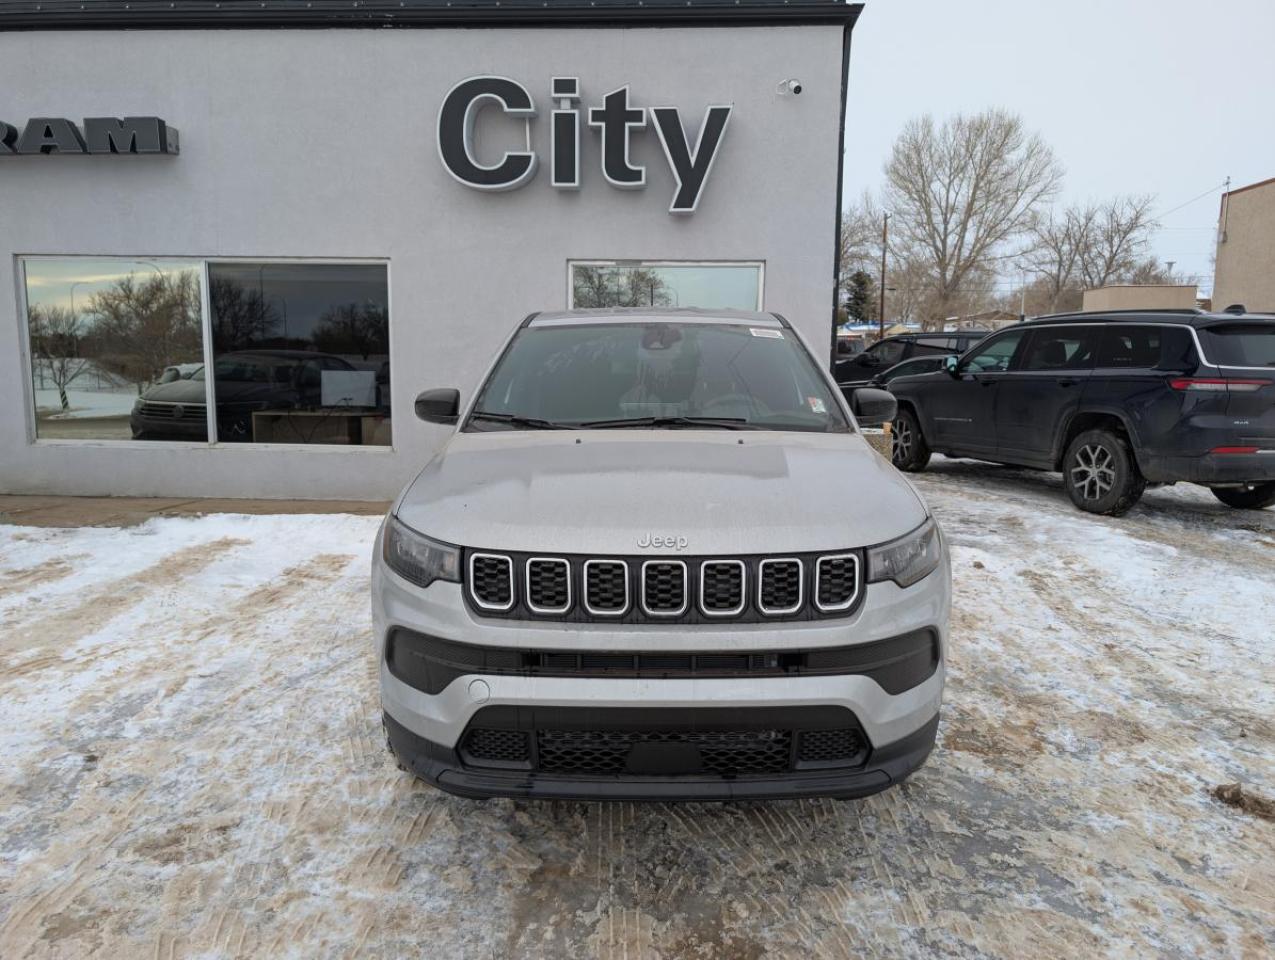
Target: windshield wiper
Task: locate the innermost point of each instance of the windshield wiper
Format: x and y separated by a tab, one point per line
722	423
530	423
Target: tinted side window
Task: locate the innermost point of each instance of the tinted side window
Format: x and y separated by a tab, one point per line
1131	346
888	351
1241	344
1060	348
995	355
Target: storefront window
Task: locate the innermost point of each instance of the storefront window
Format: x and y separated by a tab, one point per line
609	283
301	352
103	334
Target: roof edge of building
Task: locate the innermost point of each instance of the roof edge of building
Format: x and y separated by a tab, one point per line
266	14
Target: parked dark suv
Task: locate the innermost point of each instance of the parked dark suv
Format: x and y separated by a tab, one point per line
858	370
1114	401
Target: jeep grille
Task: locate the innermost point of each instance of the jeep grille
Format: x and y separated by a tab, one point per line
663	589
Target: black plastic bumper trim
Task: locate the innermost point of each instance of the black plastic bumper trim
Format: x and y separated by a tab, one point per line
440	766
429	663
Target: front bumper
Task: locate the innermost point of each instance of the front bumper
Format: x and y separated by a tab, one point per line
427	731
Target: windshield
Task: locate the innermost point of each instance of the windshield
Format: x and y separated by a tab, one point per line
242	368
1241	344
587	374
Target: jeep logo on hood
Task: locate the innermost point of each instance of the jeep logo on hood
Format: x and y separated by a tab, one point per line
662	543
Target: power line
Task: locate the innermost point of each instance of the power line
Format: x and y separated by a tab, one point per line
1192	200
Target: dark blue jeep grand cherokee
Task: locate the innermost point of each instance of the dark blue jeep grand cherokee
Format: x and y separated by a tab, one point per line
1113	400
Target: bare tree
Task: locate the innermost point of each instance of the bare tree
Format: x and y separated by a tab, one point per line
1117	238
241	318
1054	258
55	346
618	287
1086	247
146	325
354	328
959	192
860	239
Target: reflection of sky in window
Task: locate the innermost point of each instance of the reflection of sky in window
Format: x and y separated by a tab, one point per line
716	288
49	282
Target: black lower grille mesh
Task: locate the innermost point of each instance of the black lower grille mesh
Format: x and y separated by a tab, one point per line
830	746
497	746
721	752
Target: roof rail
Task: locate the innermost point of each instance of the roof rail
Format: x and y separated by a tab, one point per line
1099	314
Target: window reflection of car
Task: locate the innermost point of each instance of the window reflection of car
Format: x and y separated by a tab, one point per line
908	368
179	371
246	381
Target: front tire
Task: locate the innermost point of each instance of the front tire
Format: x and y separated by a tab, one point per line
1101	475
1252	496
908	449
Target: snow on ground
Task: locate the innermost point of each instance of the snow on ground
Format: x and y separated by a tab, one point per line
85	403
193	763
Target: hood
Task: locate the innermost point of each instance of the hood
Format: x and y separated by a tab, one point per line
228	391
604	491
178	391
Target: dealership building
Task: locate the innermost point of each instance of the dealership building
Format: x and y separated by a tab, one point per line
242	236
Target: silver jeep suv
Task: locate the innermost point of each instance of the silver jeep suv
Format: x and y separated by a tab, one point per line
657	560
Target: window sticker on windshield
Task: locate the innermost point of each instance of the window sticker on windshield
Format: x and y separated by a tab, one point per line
817	404
769	334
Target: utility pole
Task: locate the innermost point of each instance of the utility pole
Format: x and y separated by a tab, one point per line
885	239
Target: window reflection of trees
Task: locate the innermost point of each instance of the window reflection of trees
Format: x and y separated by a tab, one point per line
613	286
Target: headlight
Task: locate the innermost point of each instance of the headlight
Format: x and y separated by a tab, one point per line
417	558
908	559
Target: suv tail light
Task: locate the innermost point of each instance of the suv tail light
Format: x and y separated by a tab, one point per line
1218	386
1234	450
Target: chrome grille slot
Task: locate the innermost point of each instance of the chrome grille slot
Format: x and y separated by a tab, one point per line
779	586
664	588
722	588
491	581
606	587
548	585
836	582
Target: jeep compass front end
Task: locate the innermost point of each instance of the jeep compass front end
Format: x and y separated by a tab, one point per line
658	561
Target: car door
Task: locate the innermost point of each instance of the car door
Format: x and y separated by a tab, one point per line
959	410
1042	390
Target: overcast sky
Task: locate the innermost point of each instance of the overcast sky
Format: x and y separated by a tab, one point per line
1161	96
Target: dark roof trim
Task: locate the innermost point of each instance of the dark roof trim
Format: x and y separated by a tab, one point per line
250	14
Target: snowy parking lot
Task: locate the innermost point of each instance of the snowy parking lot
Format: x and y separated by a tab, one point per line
193	763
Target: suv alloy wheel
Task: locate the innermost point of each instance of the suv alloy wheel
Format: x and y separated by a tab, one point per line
908	449
1252	496
1100	473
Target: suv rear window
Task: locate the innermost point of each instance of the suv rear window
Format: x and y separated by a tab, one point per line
1241	344
1166	348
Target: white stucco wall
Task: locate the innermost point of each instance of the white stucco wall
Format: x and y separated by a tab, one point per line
321	143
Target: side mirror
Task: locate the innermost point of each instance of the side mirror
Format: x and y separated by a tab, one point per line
440	405
871	360
950	364
873	407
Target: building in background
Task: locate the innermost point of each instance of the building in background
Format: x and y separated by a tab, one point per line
1245	268
357	213
1151	296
